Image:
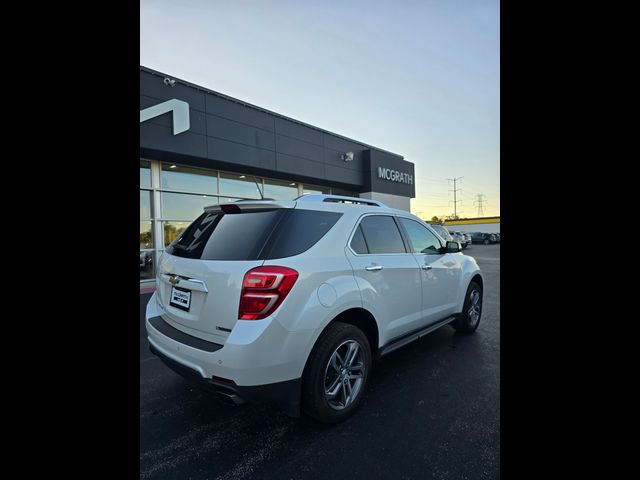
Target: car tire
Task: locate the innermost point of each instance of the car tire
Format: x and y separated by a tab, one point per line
486	241
327	372
468	320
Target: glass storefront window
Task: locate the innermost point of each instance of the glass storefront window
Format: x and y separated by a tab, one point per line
228	199
147	265
172	230
175	177
145	174
280	190
315	190
243	186
184	206
145	205
146	234
185	191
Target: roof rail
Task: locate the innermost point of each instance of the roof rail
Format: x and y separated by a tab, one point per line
339	199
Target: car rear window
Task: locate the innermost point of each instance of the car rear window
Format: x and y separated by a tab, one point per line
252	235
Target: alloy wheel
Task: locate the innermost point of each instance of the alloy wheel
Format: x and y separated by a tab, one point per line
475	303
344	375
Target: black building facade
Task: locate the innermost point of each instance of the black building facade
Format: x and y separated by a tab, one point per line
199	147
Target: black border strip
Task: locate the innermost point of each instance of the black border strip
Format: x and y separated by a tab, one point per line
173	333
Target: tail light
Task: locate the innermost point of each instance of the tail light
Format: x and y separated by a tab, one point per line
263	290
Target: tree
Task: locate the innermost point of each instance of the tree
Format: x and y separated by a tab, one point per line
145	239
436	219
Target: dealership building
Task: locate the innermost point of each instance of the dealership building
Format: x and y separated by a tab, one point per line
199	147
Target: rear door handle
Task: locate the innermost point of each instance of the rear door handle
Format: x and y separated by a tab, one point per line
373	268
426	267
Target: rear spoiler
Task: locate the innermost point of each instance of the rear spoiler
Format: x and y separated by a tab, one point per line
241	205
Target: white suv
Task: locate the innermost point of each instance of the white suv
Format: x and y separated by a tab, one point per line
290	301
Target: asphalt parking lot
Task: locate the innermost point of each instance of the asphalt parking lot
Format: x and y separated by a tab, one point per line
432	410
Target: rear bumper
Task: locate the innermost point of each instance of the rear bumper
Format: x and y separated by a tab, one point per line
284	394
261	359
256	352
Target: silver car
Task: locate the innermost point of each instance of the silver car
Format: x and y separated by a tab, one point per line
460	238
466	238
443	232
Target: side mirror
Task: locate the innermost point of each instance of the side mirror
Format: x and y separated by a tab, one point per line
453	247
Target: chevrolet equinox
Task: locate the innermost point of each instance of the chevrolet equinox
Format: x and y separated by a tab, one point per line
290	301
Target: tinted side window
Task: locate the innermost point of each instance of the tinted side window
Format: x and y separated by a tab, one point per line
422	240
299	231
382	234
358	244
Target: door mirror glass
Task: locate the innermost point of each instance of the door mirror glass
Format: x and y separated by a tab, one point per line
453	247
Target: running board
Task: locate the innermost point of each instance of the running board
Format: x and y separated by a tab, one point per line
410	337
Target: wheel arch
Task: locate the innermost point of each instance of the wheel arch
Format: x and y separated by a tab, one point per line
358	317
470	273
478	279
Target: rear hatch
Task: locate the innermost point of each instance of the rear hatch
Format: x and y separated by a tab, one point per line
202	295
201	273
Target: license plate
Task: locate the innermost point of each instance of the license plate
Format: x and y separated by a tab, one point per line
180	298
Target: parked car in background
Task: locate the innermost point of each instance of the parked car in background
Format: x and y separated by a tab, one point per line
485	238
494	238
467	236
497	236
146	261
443	232
460	238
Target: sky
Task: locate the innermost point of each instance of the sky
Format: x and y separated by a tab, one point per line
418	78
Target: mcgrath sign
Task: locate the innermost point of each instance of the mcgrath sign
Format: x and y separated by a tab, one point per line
395	175
386	172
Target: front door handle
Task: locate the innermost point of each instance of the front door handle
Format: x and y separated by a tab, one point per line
373	268
426	267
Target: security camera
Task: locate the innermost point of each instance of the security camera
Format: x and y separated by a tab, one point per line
170	82
347	157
